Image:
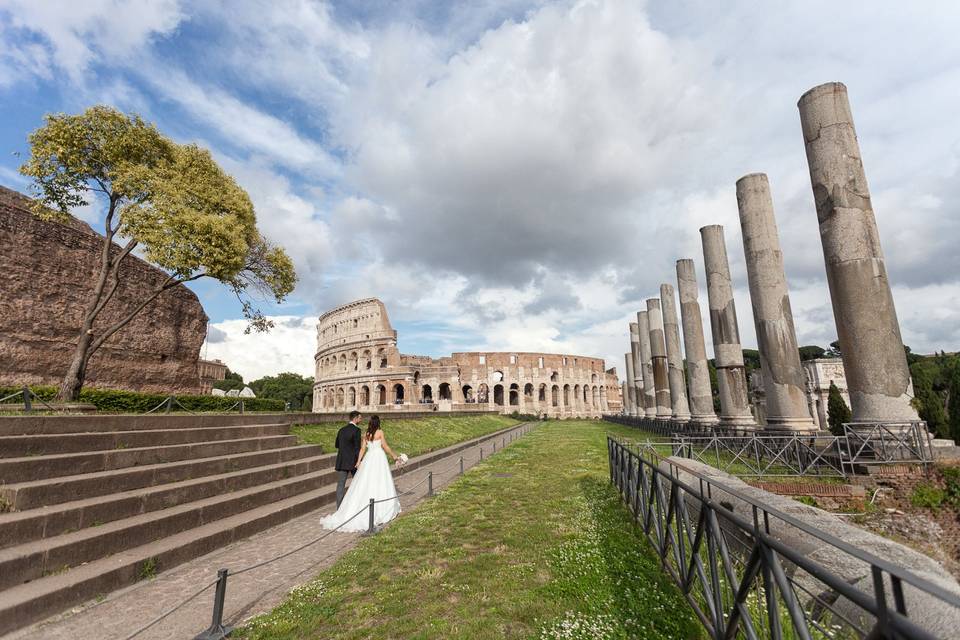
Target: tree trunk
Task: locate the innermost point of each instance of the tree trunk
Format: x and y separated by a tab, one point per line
73	380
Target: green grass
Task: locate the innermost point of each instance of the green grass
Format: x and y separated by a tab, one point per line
531	543
412	437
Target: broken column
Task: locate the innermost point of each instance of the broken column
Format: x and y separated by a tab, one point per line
648	403
623	396
728	354
698	371
637	381
631	398
658	354
878	378
784	381
671	335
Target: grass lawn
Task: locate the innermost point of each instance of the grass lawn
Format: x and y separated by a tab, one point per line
412	437
531	543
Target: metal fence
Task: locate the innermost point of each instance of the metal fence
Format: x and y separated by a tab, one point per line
28	398
766	453
750	571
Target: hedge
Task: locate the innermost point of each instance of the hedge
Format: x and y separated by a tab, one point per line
116	401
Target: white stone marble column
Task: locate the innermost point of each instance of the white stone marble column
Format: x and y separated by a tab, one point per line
731	377
649	401
698	370
658	355
637	380
878	378
784	382
671	335
630	401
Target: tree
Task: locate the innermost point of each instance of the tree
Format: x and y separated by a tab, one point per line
954	407
811	352
289	387
230	381
173	201
838	412
926	400
834	350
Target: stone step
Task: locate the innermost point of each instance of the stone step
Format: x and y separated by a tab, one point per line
32	601
38	425
36	559
24	469
42	499
44	444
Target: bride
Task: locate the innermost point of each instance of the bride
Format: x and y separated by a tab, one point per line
373	480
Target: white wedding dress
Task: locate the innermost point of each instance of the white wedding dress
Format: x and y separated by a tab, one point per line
372	480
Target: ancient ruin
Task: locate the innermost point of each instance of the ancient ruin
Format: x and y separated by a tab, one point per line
358	365
47	269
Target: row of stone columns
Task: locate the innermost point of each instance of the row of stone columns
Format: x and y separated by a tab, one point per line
869	333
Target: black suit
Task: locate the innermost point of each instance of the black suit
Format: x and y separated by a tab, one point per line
348	450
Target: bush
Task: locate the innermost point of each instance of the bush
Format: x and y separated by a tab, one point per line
928	496
118	401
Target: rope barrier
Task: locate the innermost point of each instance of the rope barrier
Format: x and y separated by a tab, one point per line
217	628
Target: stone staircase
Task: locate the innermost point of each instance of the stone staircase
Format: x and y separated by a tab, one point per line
89	511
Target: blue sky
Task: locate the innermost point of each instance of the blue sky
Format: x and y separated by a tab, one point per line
515	175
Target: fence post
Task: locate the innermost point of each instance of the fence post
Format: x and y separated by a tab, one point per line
494	446
481	453
372	504
430	483
27	407
217	629
461	465
169	405
241	406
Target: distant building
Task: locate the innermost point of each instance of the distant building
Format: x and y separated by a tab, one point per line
211	372
820	373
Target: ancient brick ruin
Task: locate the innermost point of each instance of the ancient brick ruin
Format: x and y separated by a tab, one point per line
358	365
47	270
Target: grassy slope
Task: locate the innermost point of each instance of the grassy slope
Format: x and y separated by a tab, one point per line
531	543
413	437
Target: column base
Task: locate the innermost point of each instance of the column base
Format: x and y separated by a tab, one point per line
794	425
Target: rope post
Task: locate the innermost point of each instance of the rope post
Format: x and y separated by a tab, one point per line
241	406
217	630
27	407
430	483
169	404
370	529
461	465
494	446
481	453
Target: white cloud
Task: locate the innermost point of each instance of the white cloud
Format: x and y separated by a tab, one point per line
289	346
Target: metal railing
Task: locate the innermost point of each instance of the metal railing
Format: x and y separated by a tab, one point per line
748	570
785	453
218	629
29	397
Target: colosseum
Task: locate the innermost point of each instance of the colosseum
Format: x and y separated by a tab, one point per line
359	366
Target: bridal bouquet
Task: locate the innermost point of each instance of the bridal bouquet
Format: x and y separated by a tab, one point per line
402	459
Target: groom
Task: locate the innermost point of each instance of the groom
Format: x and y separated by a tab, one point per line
348	451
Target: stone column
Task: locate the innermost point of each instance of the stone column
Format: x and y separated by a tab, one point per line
649	402
784	382
637	380
878	378
658	353
728	354
698	371
630	400
623	398
671	335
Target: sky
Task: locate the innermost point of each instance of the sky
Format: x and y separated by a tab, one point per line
511	175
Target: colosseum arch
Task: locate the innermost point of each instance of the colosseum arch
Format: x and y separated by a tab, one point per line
359	335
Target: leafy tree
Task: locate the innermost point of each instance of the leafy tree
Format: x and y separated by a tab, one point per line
173	201
954	407
230	381
837	410
811	352
751	361
926	400
289	387
714	384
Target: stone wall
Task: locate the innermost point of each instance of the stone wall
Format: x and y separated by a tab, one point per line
47	270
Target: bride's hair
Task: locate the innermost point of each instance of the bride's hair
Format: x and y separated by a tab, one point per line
373	426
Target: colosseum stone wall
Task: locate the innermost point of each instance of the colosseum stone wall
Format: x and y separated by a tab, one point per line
358	365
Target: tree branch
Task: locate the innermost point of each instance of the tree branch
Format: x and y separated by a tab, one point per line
114	276
169	283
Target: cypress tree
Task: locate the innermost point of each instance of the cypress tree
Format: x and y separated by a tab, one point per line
837	410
